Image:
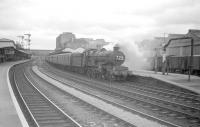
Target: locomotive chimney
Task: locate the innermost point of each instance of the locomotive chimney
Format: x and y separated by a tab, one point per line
116	47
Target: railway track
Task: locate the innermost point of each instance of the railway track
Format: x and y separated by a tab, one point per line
187	99
42	110
176	112
104	118
47	111
160	86
184	99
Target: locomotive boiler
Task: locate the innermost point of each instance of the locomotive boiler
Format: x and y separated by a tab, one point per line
115	57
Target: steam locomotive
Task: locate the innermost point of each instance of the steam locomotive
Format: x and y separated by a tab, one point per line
101	64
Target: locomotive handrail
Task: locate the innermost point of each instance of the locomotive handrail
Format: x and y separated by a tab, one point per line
191	55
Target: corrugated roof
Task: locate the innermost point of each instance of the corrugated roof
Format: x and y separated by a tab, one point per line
6	43
194	32
170	36
6	40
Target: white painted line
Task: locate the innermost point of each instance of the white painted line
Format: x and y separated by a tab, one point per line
25	103
52	102
17	107
118	112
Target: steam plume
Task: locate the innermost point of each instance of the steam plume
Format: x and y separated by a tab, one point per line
135	57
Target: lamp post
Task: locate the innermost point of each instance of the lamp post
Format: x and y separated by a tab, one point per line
191	58
156	60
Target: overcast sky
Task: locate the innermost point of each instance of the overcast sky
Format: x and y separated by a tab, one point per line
113	20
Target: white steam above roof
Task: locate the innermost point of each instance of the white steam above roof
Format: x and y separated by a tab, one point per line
78	50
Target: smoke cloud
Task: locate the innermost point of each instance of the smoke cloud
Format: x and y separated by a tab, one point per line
135	57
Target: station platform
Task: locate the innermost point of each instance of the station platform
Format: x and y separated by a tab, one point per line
10	113
180	80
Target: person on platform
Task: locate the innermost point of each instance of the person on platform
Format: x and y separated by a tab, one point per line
164	61
156	60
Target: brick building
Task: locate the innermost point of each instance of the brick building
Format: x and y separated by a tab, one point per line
69	40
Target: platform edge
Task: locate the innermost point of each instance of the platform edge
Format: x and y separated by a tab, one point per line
15	102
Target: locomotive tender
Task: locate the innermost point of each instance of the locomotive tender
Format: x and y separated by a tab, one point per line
94	63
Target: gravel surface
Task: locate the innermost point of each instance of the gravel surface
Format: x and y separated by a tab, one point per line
86	114
127	116
122	101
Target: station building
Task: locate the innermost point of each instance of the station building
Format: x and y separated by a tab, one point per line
180	47
7	47
9	51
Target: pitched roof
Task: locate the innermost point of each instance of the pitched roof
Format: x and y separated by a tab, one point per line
5	40
6	43
194	32
170	36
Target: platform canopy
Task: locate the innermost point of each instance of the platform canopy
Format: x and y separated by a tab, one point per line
6	43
